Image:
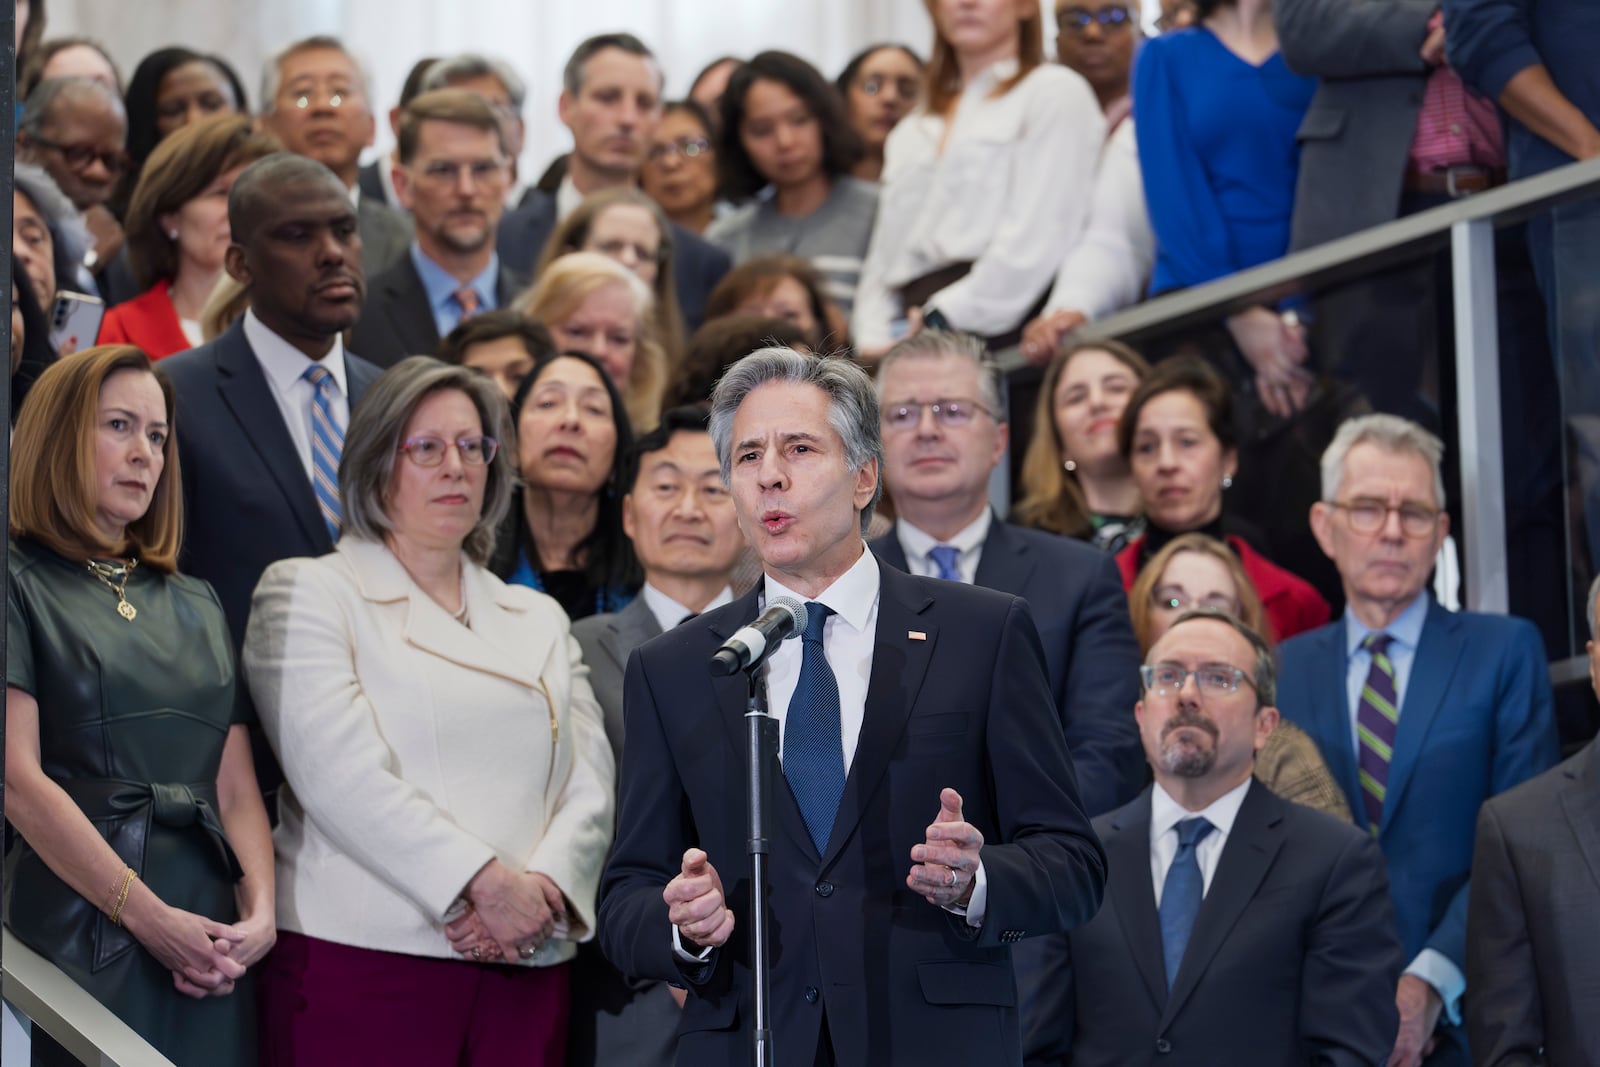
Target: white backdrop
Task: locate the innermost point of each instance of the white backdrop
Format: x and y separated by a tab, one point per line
534	35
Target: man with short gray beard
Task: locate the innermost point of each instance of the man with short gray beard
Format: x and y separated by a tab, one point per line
1237	927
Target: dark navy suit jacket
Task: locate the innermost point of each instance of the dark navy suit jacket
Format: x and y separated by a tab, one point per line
397	321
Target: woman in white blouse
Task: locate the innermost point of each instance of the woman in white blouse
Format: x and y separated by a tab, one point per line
448	804
984	185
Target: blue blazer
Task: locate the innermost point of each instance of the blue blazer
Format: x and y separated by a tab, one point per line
697	265
957	697
1074	592
247	501
1476	719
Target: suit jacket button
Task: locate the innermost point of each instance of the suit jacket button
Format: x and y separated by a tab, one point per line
824	889
812	994
1163	1045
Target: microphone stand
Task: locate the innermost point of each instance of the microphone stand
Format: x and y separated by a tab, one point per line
761	751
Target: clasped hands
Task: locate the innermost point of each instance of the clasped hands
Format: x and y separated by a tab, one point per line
946	862
510	914
206	957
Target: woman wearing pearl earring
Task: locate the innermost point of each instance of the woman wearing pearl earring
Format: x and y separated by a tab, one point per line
178	232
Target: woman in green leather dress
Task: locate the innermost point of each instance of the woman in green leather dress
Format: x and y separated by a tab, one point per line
144	865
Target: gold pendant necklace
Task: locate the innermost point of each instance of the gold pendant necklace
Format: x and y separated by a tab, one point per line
115	577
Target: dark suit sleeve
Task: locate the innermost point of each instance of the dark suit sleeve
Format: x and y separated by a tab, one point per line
1487	42
1352	964
1047	872
1525	745
1504	1015
1341	39
1101	687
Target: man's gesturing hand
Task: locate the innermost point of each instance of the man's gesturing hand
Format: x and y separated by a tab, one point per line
947	861
695	904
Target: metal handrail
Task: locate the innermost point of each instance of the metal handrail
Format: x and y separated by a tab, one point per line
69	1013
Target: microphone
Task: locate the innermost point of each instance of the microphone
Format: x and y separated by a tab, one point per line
750	645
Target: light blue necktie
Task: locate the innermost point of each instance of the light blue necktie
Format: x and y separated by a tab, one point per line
327	441
813	748
1181	894
944	557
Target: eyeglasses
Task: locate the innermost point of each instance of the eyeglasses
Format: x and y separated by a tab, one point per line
442	172
1076	19
1369	517
1216	679
306	99
906	88
79	156
428	451
687	147
948	413
1175	599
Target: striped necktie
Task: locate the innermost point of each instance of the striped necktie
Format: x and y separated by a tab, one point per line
327	441
1377	718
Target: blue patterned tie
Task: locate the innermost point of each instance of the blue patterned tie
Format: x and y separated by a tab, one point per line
1181	894
944	557
813	748
327	441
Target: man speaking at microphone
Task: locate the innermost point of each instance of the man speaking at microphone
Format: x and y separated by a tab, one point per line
927	817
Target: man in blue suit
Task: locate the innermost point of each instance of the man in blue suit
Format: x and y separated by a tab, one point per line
1422	714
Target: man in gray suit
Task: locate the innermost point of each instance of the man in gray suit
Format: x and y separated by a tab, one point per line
686	535
1533	947
314	99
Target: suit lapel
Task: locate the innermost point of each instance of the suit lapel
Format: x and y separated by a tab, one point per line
1128	856
632	627
1580	800
1005	562
1246	856
1328	706
1438	651
891	551
408	308
249	397
898	667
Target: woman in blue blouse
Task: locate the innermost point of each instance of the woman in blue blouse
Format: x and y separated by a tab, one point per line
1216	110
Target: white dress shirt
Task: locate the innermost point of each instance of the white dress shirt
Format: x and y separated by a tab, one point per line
1166	814
567	198
968	543
1007	190
670	613
284	366
1108	267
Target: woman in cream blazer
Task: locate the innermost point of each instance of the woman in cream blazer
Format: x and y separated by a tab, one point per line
448	804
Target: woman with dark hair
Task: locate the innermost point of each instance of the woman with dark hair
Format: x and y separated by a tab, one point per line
178	232
787	142
501	345
1177	437
780	287
47	235
983	184
563	535
1217	115
31	353
170	88
880	86
680	168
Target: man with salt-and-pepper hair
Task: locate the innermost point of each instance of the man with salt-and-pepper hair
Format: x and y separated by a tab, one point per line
927	817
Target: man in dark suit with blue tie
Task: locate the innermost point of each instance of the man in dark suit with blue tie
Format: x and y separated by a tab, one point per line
1421	713
1238	927
927	818
262	409
611	101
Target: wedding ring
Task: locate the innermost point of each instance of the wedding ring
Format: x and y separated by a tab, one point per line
477	953
527	951
952	883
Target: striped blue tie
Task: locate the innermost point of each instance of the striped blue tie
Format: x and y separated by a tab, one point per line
327	441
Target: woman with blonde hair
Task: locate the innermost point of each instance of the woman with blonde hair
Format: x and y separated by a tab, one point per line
1196	571
592	304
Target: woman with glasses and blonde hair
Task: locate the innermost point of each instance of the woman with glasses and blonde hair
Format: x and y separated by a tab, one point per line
448	795
1196	571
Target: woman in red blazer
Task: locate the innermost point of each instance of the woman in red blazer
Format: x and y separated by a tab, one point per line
178	232
1177	435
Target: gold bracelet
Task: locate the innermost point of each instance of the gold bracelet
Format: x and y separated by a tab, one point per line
122	898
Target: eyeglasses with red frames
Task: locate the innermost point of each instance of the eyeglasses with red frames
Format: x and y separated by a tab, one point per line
425	450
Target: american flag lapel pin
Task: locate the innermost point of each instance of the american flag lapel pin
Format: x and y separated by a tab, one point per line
916	635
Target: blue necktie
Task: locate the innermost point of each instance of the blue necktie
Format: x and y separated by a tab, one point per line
1181	894
327	441
944	557
813	748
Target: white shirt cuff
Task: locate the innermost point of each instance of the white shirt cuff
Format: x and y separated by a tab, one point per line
684	954
1435	968
973	910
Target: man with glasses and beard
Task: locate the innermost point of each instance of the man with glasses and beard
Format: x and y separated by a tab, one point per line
1237	927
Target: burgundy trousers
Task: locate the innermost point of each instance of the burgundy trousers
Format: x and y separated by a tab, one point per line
323	1003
